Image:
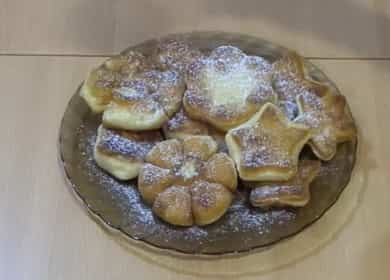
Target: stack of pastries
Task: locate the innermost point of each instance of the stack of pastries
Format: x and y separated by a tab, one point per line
189	124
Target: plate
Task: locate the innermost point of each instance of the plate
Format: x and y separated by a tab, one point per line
118	205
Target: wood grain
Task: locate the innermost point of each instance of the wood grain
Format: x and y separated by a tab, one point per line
44	234
343	28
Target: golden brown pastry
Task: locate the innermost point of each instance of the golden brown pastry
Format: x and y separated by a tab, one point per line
329	118
228	87
175	54
294	192
121	153
146	102
97	87
289	79
267	147
187	182
181	126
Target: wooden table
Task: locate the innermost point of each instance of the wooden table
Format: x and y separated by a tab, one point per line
46	47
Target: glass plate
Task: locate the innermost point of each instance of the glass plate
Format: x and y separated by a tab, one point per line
118	206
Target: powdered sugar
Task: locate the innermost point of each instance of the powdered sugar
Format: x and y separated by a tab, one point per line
221	85
130	145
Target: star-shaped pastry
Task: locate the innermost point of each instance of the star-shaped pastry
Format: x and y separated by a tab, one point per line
289	79
294	192
290	64
329	117
267	147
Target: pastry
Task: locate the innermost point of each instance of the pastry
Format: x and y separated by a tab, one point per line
267	147
175	54
97	87
290	109
187	182
121	153
294	192
328	116
289	65
228	87
289	80
146	102
181	126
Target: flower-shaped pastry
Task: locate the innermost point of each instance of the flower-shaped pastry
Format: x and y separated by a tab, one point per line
329	117
289	80
267	147
121	153
146	102
294	192
187	182
175	54
228	87
98	86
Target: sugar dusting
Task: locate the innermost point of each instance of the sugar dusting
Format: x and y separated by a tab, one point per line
261	149
152	90
118	68
290	109
136	219
222	84
127	211
175	54
131	146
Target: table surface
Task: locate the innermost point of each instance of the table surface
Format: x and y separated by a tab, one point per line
46	47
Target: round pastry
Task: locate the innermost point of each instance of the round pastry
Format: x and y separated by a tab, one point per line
121	153
187	182
97	87
228	87
174	54
146	102
267	147
292	193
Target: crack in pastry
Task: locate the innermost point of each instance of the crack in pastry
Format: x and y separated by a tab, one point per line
228	87
100	82
293	193
175	54
145	102
329	117
187	182
267	147
121	153
290	109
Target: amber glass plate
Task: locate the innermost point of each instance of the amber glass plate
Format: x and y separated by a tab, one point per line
244	228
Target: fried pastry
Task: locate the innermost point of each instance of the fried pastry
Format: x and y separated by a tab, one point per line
328	116
289	80
294	192
228	87
187	182
121	153
175	54
181	126
267	147
146	102
97	87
